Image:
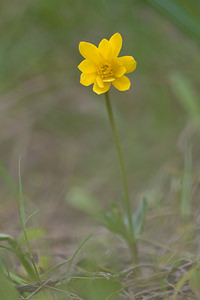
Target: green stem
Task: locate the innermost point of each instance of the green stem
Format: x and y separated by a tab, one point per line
31	256
126	200
20	206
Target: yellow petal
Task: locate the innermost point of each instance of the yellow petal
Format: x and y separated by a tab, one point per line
105	49
99	90
87	66
99	81
89	51
122	83
87	79
128	62
109	79
119	71
116	43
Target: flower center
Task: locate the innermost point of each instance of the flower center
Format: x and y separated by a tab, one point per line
105	71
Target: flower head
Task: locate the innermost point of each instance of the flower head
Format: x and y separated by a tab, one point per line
102	66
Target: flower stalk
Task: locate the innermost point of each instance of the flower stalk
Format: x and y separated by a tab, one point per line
126	199
103	67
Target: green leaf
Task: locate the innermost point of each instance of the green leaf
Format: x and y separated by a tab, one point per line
195	283
5	237
139	216
23	258
17	279
187	276
7	291
95	288
185	20
114	221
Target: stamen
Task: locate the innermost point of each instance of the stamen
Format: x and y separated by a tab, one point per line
105	71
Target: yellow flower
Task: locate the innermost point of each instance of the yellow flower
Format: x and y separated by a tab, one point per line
102	66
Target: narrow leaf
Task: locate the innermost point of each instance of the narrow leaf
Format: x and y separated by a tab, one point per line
180	16
7	291
183	280
138	217
186	185
21	199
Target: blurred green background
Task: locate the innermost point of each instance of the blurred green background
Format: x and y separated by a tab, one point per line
60	128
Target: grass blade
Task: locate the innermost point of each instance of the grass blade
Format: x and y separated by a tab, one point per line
185	94
23	221
7	291
75	253
21	200
186	186
23	258
55	267
183	279
180	16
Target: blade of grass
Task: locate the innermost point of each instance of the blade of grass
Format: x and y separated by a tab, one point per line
75	253
17	279
23	221
7	291
186	186
55	267
183	279
21	199
3	265
23	258
179	16
10	249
